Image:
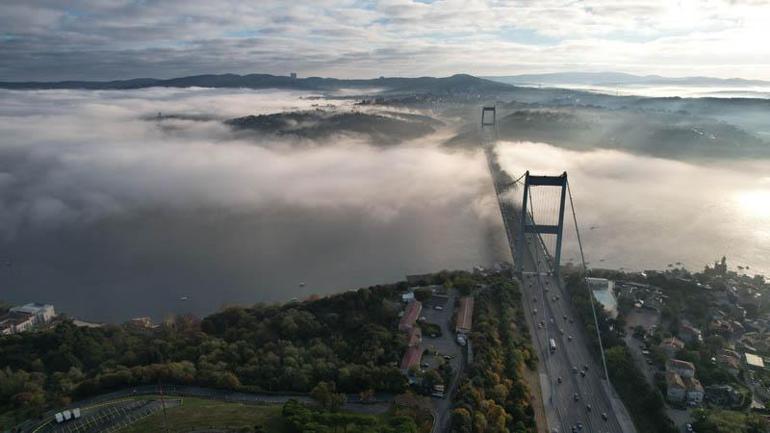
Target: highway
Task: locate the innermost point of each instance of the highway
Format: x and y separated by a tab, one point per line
571	378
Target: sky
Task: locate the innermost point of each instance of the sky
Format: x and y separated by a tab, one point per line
119	39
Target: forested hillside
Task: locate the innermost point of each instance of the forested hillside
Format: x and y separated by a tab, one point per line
350	339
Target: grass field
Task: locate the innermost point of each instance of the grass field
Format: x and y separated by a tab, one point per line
199	414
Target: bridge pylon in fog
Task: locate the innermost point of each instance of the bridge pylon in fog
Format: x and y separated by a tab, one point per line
488	116
530	226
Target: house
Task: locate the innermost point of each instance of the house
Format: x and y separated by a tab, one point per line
722	327
411	313
407	297
464	321
671	346
682	368
676	391
694	390
690	334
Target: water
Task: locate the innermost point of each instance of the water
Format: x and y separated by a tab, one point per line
109	216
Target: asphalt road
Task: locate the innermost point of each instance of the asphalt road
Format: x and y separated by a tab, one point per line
581	376
445	345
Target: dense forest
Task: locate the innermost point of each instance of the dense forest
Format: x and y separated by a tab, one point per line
493	397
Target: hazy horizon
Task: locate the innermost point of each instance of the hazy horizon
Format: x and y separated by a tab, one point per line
44	41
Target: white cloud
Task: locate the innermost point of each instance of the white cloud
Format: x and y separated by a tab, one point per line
391	37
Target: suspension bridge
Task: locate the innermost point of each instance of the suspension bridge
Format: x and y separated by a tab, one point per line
577	394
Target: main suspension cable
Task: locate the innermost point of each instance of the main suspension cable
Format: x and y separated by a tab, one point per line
588	287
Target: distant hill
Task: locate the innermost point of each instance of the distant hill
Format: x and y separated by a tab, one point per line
619	78
383	127
454	85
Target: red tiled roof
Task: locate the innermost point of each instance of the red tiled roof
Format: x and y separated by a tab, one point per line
411	357
414	336
410	314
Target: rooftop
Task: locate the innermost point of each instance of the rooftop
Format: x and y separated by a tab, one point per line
673	342
465	314
678	363
411	357
674	381
411	313
754	360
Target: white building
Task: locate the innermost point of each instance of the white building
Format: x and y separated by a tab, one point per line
604	292
25	317
43	313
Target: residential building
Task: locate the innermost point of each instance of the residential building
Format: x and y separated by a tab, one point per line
411	314
676	391
694	390
682	368
464	321
730	360
671	346
690	334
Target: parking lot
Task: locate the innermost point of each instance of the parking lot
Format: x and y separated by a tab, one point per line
439	310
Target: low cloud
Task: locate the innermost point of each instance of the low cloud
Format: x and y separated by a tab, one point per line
649	212
109	213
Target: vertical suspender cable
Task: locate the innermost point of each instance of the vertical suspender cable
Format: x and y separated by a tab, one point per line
588	287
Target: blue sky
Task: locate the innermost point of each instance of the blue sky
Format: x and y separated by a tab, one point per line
111	39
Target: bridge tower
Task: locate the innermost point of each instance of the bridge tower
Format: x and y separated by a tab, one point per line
530	226
488	116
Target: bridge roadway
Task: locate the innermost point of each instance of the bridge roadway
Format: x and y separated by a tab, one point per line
546	302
